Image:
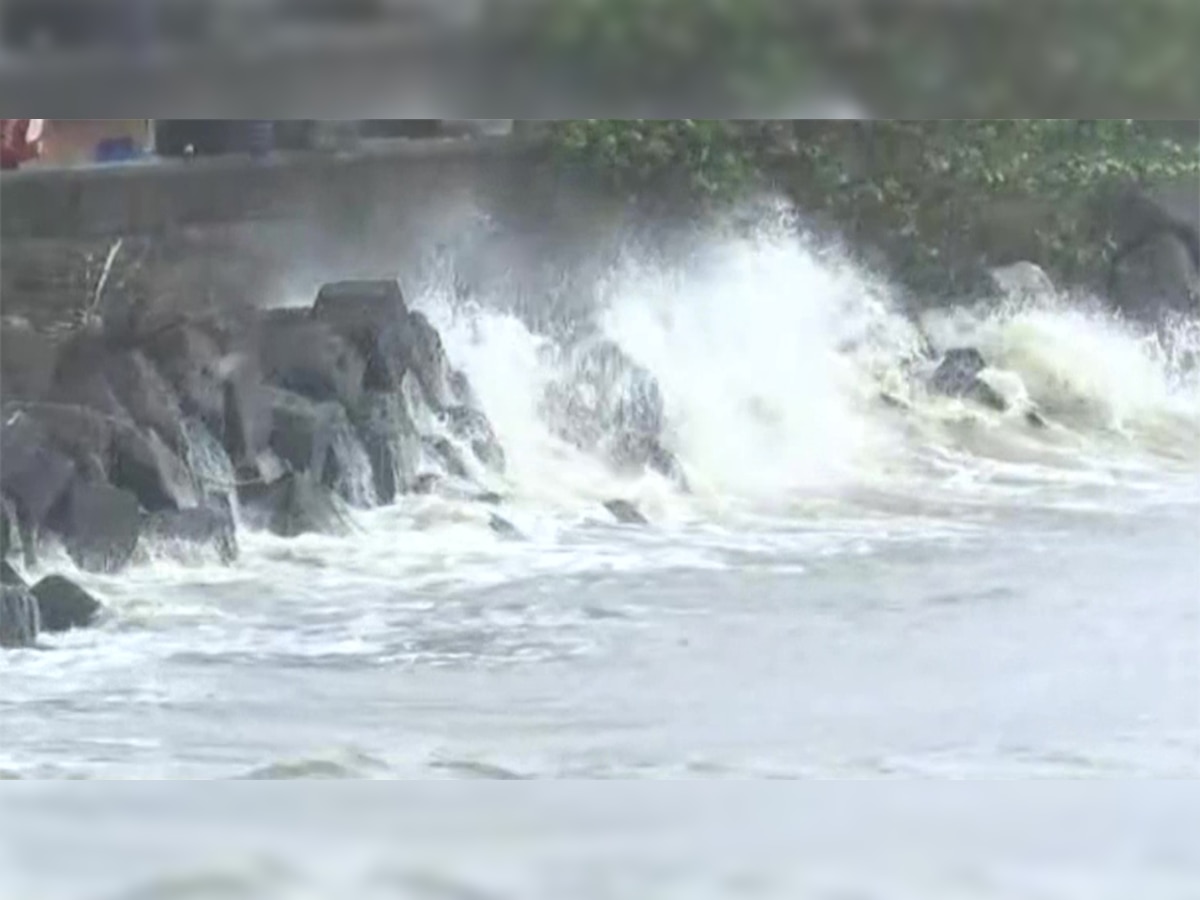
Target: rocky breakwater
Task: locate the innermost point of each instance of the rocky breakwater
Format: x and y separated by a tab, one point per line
154	434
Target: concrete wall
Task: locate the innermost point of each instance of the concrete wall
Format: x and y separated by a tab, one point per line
165	195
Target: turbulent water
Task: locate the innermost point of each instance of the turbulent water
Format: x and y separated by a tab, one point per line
853	588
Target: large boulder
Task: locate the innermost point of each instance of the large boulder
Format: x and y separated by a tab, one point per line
34	475
441	385
309	358
192	362
147	396
607	403
80	378
957	375
64	605
296	504
99	526
319	438
471	426
209	530
1155	231
19	623
1156	279
28	359
1023	281
373	318
390	440
143	464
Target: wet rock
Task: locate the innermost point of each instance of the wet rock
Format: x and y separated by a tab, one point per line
145	466
147	396
426	359
207	529
64	605
426	483
301	430
957	375
1023	281
308	358
9	575
80	379
28	360
502	527
1155	268
625	512
191	361
297	504
1155	278
99	525
373	318
609	404
318	438
34	475
84	435
390	440
8	524
472	427
19	621
442	451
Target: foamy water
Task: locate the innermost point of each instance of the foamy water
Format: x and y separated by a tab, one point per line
852	589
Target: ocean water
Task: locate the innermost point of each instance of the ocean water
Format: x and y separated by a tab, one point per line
897	593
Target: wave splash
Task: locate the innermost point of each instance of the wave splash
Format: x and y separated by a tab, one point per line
772	354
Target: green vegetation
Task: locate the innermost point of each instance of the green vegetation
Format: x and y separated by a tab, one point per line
923	191
987	58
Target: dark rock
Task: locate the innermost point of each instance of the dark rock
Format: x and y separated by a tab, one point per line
8	524
80	379
193	363
372	316
9	575
297	504
1036	419
99	525
503	527
63	605
147	396
84	435
609	404
625	512
490	497
145	466
19	624
27	362
207	528
318	438
34	475
1156	232
391	442
301	430
1156	278
308	358
1023	281
441	450
957	375
426	359
472	426
426	483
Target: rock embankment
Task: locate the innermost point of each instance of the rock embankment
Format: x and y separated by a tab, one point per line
151	434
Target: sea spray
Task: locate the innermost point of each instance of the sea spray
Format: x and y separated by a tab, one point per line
773	351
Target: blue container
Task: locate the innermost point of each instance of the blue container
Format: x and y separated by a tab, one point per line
116	150
259	136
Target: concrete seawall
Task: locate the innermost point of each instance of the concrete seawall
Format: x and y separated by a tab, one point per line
168	195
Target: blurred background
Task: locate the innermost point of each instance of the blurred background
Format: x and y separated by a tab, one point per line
553	58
